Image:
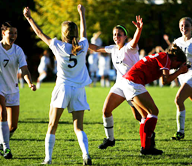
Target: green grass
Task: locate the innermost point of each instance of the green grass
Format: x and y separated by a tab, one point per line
27	144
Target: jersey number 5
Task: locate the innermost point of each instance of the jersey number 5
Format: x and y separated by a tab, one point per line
72	59
5	62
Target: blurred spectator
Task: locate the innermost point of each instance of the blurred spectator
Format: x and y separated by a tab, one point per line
142	53
43	66
104	69
93	66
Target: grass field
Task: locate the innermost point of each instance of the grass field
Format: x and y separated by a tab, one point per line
27	144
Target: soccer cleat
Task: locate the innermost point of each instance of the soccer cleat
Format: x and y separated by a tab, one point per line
87	160
106	143
46	162
7	154
153	140
178	136
1	150
151	151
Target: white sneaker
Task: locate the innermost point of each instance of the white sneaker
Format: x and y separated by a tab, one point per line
46	162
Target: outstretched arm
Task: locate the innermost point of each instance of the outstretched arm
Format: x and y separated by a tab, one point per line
96	48
81	11
136	37
36	29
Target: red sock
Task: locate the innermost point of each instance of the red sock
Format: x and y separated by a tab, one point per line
149	127
141	131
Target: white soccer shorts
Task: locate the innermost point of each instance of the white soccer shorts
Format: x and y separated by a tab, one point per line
72	98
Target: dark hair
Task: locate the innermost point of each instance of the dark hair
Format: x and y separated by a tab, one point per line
7	25
122	28
177	53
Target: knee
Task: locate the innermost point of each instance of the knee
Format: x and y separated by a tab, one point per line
155	112
178	100
107	112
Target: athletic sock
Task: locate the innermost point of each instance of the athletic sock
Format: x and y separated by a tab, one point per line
49	144
180	121
149	127
107	83
108	124
102	82
4	135
21	81
141	130
83	143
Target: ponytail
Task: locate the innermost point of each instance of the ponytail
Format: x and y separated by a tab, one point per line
75	46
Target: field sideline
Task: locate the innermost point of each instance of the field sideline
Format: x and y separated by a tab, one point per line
27	144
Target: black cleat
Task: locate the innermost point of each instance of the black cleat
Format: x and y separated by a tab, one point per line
7	154
106	143
151	151
178	136
87	160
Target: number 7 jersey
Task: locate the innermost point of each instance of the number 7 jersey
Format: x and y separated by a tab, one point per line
71	69
10	61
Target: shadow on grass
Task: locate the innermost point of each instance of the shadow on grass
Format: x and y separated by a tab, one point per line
38	120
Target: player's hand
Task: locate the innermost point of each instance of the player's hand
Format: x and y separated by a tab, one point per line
81	9
139	23
33	87
183	68
26	12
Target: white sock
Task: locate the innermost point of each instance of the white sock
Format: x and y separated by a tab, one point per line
180	121
108	124
107	83
102	82
83	143
21	80
38	85
49	144
4	135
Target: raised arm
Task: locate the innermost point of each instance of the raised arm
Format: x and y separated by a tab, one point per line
81	11
139	26
36	29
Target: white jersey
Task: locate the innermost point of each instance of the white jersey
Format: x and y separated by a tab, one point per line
104	65
71	69
186	46
44	62
123	59
10	61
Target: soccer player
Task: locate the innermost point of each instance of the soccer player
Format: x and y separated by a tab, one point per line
42	68
12	57
185	90
72	77
124	56
143	72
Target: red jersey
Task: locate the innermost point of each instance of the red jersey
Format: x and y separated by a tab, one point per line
148	68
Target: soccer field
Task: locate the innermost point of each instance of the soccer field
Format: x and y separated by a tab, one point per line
27	144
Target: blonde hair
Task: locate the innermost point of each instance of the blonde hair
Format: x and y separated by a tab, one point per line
69	33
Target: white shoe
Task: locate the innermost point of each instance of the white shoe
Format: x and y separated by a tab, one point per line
46	162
